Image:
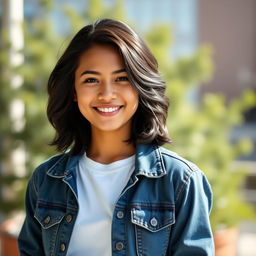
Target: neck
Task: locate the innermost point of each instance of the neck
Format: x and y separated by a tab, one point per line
107	147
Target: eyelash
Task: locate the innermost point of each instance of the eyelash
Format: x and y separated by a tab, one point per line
123	78
90	80
94	80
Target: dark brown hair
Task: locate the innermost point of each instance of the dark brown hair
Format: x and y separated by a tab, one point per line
149	121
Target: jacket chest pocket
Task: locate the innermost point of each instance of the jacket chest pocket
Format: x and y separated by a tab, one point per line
49	216
152	228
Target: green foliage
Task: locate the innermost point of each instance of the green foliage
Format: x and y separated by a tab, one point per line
200	130
10	186
43	46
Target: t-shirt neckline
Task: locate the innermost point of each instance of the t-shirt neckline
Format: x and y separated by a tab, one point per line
92	165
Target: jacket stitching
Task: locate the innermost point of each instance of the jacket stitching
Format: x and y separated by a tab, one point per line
139	241
59	161
181	160
183	186
150	207
54	206
158	154
54	239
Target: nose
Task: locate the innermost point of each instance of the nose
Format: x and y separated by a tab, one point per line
106	92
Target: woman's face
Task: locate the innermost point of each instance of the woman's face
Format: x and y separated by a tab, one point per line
104	94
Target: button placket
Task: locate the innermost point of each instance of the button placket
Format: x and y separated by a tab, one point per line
118	232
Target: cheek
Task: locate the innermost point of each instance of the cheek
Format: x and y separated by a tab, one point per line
83	96
83	103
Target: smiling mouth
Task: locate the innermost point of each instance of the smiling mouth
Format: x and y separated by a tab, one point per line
107	110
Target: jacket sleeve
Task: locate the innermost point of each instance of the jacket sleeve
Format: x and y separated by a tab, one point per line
30	238
191	233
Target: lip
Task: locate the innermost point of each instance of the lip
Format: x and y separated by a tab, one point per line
107	110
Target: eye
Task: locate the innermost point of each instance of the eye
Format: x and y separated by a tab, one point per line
122	78
90	80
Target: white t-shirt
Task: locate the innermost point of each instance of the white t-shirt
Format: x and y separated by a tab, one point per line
99	186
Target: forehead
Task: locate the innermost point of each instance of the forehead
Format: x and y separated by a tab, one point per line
99	56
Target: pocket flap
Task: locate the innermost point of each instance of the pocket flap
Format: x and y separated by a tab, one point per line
49	214
153	218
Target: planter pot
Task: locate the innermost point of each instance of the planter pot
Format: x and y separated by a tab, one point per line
226	242
8	245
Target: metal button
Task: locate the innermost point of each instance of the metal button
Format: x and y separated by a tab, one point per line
119	246
153	222
120	214
62	247
69	218
47	220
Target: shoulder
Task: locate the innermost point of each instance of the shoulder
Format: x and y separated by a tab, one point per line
158	161
185	175
174	161
57	161
52	162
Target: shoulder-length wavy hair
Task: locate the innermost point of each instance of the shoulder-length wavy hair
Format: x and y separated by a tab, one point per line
149	121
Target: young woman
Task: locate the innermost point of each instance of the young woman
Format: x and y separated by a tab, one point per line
114	190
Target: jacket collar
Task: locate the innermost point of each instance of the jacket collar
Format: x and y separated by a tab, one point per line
63	166
148	162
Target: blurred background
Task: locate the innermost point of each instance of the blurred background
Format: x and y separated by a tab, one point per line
207	56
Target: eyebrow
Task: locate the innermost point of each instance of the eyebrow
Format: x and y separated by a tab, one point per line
98	73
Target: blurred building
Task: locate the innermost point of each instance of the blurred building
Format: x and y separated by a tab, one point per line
230	26
181	15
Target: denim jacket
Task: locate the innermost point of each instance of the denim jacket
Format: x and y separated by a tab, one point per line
163	210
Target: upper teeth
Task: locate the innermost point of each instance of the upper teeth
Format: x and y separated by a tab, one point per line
108	109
